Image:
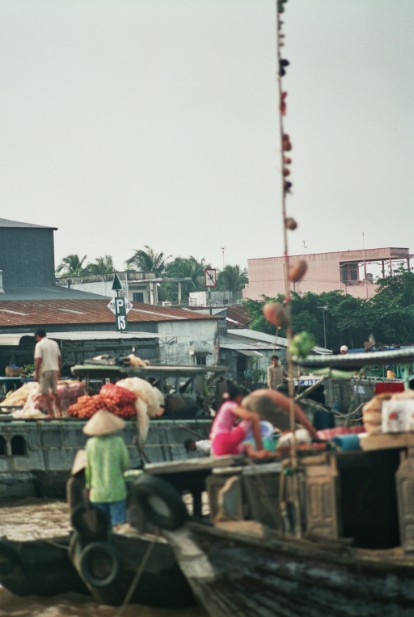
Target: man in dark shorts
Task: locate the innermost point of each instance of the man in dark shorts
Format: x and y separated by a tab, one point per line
47	370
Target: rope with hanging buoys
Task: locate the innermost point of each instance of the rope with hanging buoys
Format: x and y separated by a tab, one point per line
276	313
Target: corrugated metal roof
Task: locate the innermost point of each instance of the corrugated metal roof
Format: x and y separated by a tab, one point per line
257	336
9	223
13	340
46	293
268	338
255	349
67	312
250	353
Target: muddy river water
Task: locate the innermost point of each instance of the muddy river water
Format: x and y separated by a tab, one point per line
28	519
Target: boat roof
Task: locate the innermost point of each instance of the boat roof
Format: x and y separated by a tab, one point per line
404	355
145	372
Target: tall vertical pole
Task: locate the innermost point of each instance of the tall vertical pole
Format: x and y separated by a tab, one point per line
285	146
365	266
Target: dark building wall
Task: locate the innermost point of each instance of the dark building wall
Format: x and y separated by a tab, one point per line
27	257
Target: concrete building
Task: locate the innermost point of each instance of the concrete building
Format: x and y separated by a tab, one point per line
247	354
353	272
137	286
81	321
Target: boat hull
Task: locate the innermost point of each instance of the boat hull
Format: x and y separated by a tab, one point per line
261	576
38	567
37	455
147	571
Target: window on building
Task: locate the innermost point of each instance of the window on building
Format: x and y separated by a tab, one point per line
201	359
349	272
138	296
18	446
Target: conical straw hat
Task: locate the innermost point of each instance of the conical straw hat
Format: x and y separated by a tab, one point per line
79	462
103	422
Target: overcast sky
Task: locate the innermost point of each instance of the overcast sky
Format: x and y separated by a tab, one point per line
127	123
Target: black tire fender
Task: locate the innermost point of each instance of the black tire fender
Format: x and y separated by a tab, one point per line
91	523
9	559
94	552
160	502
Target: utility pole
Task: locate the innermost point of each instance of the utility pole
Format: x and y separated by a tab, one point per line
223	248
324	308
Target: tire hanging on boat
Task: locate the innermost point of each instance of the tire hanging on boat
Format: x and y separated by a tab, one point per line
160	502
91	523
9	559
100	564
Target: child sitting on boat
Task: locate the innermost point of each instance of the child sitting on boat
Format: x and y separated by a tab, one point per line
232	424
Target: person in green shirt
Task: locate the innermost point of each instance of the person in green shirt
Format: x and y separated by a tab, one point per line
106	462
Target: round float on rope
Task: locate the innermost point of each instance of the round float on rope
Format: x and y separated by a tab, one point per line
90	522
9	559
100	564
160	502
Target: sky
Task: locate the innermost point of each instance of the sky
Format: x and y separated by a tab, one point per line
133	123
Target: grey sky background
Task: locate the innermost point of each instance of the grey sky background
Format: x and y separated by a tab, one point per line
127	123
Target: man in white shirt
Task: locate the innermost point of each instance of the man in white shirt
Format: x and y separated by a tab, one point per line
47	370
202	446
275	374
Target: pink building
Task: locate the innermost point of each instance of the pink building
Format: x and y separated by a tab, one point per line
353	272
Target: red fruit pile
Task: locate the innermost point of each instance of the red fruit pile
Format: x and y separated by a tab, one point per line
111	397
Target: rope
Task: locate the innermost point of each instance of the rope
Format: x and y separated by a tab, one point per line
137	577
38	536
189	430
64	547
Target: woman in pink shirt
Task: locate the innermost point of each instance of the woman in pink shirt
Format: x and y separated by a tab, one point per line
231	425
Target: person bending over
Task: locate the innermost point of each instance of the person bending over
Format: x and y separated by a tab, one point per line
231	425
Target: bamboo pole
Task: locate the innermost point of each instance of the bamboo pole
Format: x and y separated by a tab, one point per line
291	387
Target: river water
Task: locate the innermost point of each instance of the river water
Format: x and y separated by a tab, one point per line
28	519
75	605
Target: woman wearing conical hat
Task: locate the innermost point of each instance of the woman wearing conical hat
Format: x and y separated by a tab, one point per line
106	462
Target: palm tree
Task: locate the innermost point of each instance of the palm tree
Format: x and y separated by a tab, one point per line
101	265
233	279
184	267
148	261
71	265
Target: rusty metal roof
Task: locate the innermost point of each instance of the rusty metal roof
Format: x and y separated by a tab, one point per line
69	312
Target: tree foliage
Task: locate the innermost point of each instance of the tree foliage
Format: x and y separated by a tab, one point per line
343	319
232	279
184	268
101	265
148	261
72	265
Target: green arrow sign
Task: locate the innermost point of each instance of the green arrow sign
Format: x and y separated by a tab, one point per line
120	314
116	283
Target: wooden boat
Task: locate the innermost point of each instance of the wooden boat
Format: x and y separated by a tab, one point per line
350	560
131	566
134	563
248	570
332	536
38	567
36	454
34	543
